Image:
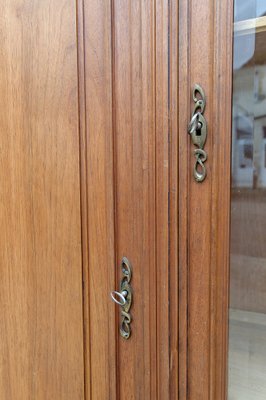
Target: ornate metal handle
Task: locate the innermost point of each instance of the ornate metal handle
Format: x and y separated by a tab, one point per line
197	129
117	295
124	298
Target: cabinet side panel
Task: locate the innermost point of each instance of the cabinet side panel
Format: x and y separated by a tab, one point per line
41	326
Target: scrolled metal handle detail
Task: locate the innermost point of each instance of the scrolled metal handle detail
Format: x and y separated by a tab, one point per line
197	129
125	295
201	157
125	329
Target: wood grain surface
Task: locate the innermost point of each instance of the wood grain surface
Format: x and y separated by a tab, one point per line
100	264
173	200
120	74
41	333
174	231
126	133
205	57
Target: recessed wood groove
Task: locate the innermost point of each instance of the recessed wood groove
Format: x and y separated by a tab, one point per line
83	194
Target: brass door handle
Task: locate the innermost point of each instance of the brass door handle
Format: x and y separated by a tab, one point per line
124	298
197	129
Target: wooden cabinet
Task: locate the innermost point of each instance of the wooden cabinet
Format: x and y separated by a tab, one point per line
97	165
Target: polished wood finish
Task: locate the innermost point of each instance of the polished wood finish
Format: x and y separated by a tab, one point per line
174	230
125	130
122	76
162	138
173	201
41	346
96	74
205	51
221	184
135	188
